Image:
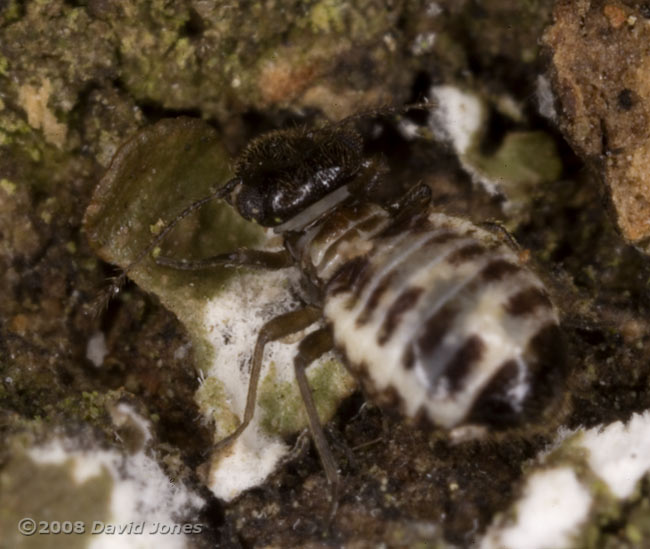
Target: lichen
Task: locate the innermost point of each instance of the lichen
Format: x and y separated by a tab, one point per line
21	486
7	186
116	67
211	399
280	403
327	16
136	198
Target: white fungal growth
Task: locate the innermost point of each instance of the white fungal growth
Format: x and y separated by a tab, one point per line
125	415
549	514
545	98
458	120
252	458
559	503
433	9
182	351
142	497
458	117
232	322
620	453
96	349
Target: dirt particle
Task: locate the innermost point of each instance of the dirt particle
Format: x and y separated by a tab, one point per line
35	103
615	14
625	99
19	324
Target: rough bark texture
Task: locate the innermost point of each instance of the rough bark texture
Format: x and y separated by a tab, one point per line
79	78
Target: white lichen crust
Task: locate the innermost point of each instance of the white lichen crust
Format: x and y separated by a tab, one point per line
145	507
232	321
521	162
588	476
553	506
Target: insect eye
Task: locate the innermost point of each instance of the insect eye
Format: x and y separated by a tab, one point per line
249	201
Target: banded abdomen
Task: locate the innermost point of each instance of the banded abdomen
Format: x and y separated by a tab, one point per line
435	315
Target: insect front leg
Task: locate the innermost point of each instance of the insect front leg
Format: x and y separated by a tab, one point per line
417	199
276	328
409	208
242	257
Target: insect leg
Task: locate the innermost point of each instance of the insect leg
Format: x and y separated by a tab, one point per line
411	206
105	296
415	200
386	110
497	226
243	257
313	346
274	329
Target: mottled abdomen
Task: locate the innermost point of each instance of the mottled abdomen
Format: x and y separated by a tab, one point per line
438	317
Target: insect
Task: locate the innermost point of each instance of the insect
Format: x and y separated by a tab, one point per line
435	316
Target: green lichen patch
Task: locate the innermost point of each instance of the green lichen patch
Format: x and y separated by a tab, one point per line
7	186
211	399
522	161
280	403
599	476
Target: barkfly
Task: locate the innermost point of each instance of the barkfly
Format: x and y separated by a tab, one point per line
434	315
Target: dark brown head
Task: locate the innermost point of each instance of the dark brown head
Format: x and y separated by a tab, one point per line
283	172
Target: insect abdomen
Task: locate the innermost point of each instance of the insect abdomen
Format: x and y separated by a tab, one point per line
437	316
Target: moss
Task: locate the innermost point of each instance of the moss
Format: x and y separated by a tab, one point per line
10	11
90	407
12	124
637	529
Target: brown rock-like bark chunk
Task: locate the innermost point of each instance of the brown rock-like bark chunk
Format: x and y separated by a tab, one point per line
600	52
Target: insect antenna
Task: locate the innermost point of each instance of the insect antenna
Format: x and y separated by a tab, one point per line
99	304
384	110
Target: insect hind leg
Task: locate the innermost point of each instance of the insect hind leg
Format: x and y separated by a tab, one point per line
312	347
276	328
